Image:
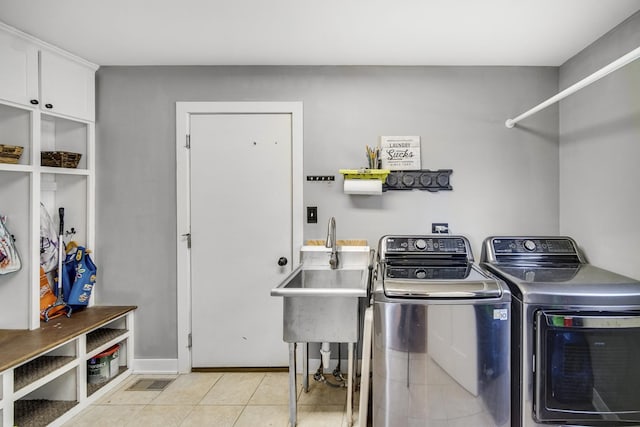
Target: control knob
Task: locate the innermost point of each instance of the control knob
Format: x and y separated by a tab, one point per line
421	274
420	244
529	245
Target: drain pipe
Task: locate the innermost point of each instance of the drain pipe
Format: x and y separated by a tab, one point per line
325	352
319	375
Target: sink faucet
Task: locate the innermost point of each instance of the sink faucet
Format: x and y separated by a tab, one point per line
331	243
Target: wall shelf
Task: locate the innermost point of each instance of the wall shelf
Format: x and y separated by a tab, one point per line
424	179
380	174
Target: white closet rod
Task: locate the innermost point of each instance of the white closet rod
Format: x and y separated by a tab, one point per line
621	62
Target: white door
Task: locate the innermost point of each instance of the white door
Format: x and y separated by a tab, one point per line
241	225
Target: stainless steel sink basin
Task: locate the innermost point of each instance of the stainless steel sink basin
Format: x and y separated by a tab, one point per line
351	257
321	305
323	283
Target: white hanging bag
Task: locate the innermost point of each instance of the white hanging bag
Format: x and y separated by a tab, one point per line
48	241
9	259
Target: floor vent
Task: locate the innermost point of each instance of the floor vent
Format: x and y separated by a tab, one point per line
150	385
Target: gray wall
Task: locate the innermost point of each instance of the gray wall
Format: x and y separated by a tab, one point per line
600	152
505	180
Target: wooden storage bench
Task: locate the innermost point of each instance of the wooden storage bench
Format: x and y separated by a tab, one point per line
43	372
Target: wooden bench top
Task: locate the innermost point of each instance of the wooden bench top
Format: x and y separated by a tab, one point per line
19	346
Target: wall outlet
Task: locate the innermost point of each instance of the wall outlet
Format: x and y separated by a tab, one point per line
312	214
440	227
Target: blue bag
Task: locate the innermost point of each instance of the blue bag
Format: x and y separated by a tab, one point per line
79	278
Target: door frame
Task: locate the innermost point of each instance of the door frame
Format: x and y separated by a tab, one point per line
184	110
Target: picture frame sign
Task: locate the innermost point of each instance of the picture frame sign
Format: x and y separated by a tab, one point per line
400	152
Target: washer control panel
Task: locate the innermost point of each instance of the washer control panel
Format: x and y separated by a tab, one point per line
533	246
428	273
425	244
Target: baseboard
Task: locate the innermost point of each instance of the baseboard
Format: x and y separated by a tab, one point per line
155	366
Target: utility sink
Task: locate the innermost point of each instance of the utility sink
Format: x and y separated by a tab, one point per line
321	304
323	283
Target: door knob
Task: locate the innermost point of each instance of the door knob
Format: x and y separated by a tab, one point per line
282	261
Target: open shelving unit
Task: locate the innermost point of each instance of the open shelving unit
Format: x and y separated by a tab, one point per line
24	186
47	103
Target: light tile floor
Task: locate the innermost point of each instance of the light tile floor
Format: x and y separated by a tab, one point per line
238	399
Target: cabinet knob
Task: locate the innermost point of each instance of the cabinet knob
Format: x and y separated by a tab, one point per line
49	106
34	102
282	261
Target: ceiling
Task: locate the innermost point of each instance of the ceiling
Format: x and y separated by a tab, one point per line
319	32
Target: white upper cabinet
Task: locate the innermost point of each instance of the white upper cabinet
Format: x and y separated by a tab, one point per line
66	86
18	70
37	74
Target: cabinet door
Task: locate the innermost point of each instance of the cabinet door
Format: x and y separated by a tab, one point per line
66	87
18	69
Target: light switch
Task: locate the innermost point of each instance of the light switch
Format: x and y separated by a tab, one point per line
312	214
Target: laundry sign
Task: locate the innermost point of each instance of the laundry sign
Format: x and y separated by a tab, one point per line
400	152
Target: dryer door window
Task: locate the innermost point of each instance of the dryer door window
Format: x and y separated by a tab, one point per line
587	367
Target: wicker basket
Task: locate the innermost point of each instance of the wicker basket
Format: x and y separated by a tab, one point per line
60	159
10	153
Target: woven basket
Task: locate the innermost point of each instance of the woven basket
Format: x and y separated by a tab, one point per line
10	153
60	159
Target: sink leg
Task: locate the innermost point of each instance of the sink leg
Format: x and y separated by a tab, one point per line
305	367
350	375
293	392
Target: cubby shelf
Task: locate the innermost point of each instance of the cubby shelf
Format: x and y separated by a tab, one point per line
43	373
38	369
47	103
40	412
103	338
